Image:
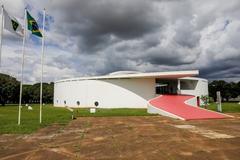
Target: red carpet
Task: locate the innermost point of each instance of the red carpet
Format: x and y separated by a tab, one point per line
175	104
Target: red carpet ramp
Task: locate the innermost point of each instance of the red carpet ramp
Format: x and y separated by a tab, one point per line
176	106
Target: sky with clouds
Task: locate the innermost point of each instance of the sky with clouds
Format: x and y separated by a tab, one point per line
96	37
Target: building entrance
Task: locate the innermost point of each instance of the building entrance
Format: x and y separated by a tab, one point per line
166	86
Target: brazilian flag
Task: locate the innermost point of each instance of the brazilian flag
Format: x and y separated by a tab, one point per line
33	26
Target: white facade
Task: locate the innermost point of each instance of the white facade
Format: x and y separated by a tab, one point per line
127	93
121	89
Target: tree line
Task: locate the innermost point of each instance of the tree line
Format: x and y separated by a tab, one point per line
9	91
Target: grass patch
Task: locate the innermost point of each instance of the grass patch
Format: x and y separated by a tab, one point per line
227	107
30	118
112	112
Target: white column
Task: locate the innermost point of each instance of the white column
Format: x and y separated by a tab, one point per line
178	87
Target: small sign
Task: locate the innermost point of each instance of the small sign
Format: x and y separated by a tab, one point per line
92	110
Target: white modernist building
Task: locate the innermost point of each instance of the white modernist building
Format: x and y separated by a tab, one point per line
126	89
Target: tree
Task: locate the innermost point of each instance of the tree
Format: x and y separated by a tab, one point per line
31	93
234	90
27	94
48	92
9	89
228	90
238	88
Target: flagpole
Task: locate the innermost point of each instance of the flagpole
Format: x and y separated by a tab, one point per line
42	56
1	38
21	84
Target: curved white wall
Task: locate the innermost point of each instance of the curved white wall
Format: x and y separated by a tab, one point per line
201	89
112	93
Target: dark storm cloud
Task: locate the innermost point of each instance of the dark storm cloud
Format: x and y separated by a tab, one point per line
221	69
166	60
95	22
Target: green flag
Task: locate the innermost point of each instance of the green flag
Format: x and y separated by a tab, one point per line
33	26
14	24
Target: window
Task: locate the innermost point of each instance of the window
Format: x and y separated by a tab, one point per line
188	84
96	103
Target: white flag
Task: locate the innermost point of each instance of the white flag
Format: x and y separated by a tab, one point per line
11	24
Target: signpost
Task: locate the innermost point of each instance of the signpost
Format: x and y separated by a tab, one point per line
219	102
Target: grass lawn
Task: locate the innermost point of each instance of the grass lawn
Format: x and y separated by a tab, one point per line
30	118
230	107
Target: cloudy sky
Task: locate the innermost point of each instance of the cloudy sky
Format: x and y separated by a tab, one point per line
95	37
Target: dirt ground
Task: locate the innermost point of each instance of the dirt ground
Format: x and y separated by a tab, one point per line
114	138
